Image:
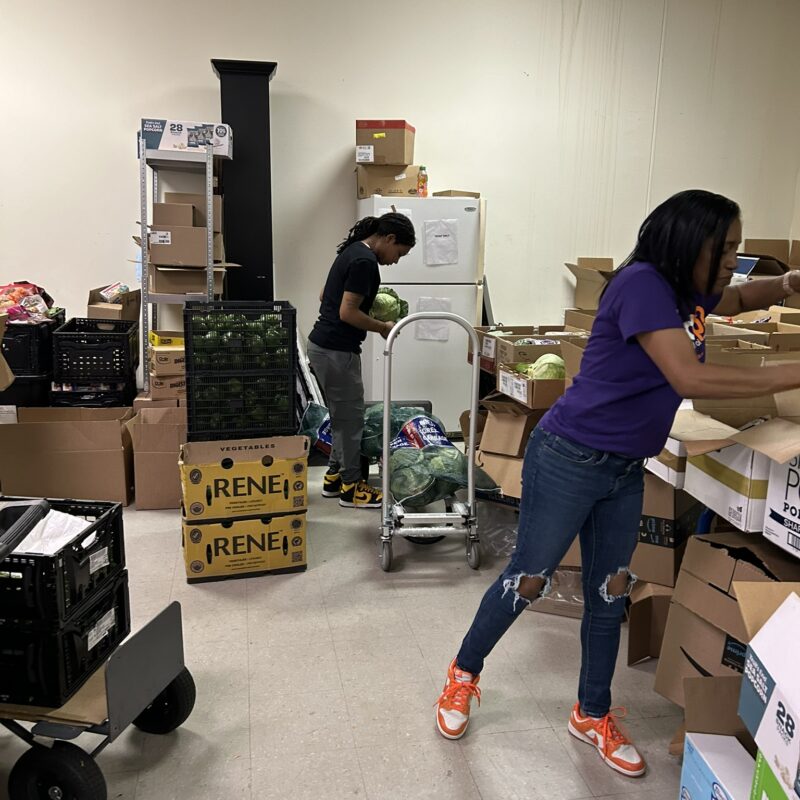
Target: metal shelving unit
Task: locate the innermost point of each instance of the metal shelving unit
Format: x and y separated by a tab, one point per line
196	161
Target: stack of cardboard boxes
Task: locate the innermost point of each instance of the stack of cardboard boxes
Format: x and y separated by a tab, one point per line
167	367
244	507
385	158
178	245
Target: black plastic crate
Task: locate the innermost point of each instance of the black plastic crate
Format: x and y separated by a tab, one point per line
95	349
50	589
46	667
95	395
28	349
240	337
240	407
27	392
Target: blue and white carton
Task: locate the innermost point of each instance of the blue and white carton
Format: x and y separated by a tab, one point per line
715	768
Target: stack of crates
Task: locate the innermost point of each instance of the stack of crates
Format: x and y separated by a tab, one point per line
62	615
94	363
28	349
241	370
244	507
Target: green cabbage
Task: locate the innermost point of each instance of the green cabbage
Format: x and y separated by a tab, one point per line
548	367
388	306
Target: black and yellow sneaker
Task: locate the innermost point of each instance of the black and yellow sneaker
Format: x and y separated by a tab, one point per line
360	495
331	483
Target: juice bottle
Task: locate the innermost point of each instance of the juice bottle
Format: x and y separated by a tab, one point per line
422	182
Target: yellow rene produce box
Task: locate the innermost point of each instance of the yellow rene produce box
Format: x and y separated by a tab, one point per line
244	477
244	547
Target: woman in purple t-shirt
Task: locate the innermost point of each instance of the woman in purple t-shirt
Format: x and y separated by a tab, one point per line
583	468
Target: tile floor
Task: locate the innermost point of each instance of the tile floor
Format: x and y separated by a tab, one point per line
321	684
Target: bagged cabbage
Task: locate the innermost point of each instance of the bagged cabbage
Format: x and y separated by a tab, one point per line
388	306
372	437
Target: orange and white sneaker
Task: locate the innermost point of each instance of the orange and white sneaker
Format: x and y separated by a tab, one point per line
612	743
452	707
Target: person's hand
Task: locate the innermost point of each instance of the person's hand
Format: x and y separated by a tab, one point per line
387	327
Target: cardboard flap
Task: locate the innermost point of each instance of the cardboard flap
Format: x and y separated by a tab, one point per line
759	601
244	450
778	439
712	705
700	433
503	404
587	272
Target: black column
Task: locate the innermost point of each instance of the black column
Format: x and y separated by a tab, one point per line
247	179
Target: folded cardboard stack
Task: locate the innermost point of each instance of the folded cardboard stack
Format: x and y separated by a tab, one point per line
244	507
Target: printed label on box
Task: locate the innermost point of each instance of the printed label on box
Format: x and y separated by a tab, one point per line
365	154
160	237
519	389
506	380
733	653
489	347
401	177
101	629
98	560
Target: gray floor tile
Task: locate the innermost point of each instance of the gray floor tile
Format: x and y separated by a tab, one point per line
333	774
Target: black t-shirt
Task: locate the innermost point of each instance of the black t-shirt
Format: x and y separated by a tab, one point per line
354	270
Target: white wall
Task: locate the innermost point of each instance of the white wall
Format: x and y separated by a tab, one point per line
572	118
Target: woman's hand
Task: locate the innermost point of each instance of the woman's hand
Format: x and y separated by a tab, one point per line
387	327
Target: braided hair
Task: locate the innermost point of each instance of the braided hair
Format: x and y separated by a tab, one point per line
398	224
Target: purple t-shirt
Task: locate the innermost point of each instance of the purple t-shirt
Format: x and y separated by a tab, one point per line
620	401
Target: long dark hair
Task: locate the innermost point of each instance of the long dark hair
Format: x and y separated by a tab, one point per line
673	235
398	224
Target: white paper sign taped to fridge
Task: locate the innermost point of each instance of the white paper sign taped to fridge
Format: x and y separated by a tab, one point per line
365	154
433	330
441	242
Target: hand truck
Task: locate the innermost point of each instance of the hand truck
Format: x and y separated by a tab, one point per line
459	516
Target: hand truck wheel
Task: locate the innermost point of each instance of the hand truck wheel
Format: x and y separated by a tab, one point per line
386	555
424	539
170	709
61	772
473	553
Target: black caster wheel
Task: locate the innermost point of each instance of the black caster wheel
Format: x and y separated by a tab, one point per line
170	709
60	772
385	555
473	554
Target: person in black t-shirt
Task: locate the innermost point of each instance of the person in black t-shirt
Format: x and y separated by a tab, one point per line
334	346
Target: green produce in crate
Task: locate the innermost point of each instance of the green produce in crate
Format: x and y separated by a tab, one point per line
234	388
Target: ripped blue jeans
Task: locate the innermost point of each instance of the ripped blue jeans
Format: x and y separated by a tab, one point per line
568	488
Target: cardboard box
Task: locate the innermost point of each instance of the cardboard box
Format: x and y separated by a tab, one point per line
508	349
167	360
770	701
157	435
244	478
127	307
182	214
169	134
669	518
591	277
166	387
572	352
457	193
68	452
487	342
175	246
243	548
715	767
779	249
145	401
780	336
580	318
782	513
505	471
565	598
6	375
165	280
384	141
647	620
508	426
706	632
536	394
167	338
766	785
386	181
200	207
480	424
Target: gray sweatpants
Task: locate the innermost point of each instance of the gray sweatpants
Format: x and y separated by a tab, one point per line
339	375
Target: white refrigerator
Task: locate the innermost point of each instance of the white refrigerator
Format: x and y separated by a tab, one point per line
443	272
